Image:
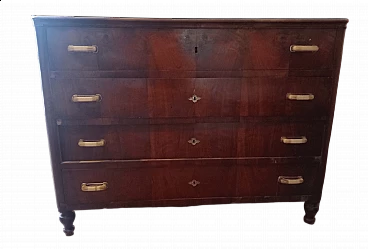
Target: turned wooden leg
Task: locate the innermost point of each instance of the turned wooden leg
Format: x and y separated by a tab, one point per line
67	218
311	208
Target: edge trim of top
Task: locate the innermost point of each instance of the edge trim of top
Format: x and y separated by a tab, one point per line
191	22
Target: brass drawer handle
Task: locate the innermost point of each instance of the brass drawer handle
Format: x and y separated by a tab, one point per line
83	49
94	186
193	141
291	180
302	96
304	48
194	98
194	183
84	143
86	98
294	140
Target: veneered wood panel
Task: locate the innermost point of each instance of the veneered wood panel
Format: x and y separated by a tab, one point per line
266	96
158	182
119	98
118	49
219	97
264	139
170	97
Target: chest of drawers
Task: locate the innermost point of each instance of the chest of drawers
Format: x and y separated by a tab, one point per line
179	112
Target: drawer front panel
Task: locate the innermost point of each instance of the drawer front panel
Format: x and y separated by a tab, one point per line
144	142
122	49
175	181
264	139
119	98
188	49
203	97
268	96
190	141
295	172
256	180
185	180
242	49
265	180
144	98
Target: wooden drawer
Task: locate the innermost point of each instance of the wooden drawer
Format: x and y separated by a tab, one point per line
143	98
275	179
144	141
189	141
308	172
272	96
263	139
160	98
185	180
243	49
121	49
188	49
154	182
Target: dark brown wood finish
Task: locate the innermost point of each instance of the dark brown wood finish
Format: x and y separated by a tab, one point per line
167	98
186	180
307	171
174	141
119	98
151	183
229	23
189	202
153	74
67	218
143	98
312	205
51	126
219	97
237	49
117	49
193	120
262	180
266	96
170	98
167	83
171	50
189	49
256	180
311	208
122	49
264	139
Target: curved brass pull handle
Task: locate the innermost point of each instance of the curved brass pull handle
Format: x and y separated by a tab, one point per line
301	96
94	186
304	48
291	180
194	183
194	98
83	49
193	141
294	140
99	143
86	98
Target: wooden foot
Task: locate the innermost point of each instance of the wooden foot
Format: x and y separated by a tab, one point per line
67	218
311	208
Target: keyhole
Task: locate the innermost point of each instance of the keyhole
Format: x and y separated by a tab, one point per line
196	50
194	98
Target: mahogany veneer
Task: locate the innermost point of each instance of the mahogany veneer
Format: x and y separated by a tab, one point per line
179	112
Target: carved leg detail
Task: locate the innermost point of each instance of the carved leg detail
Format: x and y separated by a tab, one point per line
311	208
67	218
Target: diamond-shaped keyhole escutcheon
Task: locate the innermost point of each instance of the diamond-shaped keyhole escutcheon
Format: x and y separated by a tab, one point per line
193	141
194	98
194	183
